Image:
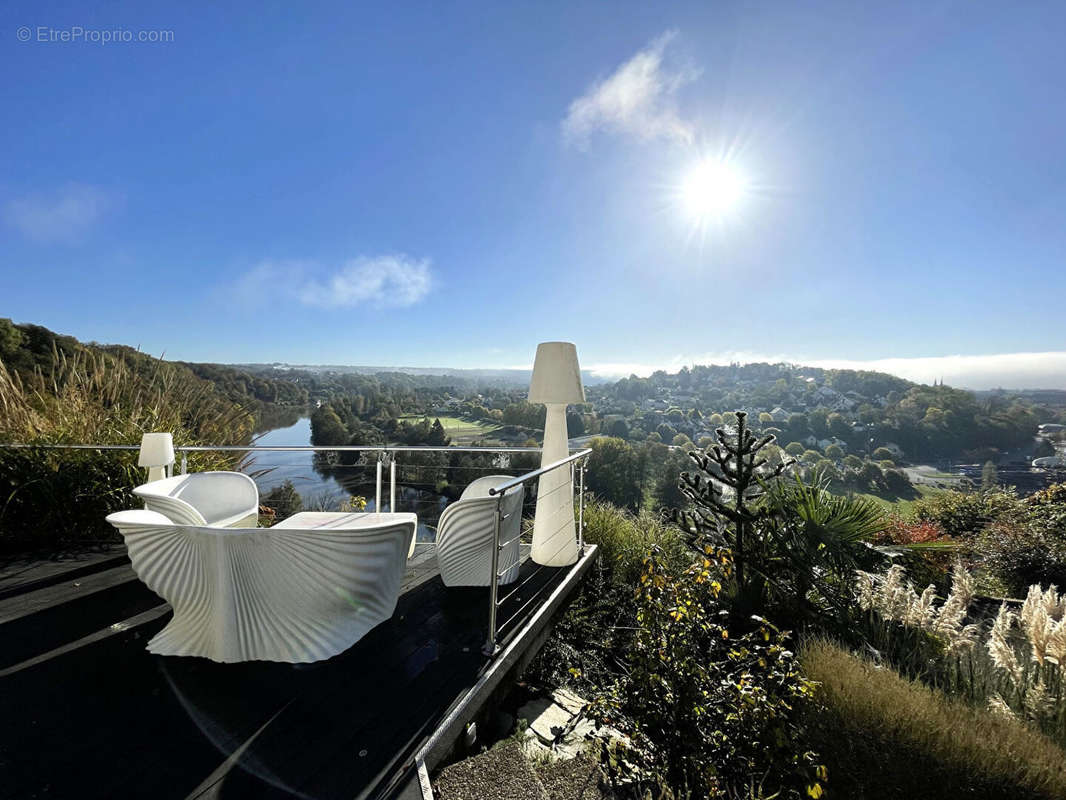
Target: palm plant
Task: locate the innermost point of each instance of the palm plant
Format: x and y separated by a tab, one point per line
795	545
818	540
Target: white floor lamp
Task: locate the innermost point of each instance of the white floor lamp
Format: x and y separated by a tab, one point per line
556	383
157	453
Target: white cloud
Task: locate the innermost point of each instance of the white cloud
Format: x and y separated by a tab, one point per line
63	215
1046	370
387	281
637	99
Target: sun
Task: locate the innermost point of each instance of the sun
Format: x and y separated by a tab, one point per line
712	190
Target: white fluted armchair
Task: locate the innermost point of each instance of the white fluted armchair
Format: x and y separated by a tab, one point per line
268	594
218	499
465	535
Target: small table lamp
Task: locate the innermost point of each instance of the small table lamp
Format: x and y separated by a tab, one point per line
556	383
157	453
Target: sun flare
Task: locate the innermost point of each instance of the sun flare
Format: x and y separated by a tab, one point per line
712	190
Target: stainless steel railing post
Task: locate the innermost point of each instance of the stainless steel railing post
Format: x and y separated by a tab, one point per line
377	487
581	506
392	483
494	587
184	463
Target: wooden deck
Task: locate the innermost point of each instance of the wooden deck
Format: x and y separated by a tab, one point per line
87	712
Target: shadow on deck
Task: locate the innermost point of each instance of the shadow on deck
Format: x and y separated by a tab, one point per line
88	712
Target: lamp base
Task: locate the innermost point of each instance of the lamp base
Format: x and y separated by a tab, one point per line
156	473
554	533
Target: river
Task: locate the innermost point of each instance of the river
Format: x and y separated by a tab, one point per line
325	489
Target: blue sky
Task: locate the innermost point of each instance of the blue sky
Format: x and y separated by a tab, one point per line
448	184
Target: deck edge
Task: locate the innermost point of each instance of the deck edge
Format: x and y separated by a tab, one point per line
451	728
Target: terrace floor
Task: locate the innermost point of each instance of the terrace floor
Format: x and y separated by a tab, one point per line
88	712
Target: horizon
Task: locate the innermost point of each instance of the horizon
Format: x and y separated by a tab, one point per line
865	188
1008	371
973	379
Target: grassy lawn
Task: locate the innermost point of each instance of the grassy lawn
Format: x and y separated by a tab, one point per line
462	431
901	505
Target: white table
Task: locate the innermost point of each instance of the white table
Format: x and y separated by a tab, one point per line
309	520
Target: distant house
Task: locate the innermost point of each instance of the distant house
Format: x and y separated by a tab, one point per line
827	396
779	414
1049	428
844	404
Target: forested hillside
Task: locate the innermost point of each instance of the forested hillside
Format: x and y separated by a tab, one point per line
32	353
858	410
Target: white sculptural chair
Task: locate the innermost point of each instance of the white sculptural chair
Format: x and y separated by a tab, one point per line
220	499
465	535
267	594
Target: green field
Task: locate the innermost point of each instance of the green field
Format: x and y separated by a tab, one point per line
901	505
461	431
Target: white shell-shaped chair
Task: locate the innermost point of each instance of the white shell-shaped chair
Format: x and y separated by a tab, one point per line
267	594
219	499
465	535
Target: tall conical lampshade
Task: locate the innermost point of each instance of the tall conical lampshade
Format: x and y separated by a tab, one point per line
556	382
556	374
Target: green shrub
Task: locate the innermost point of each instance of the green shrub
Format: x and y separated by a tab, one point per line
883	736
625	538
283	500
1018	554
593	635
705	713
965	513
1026	544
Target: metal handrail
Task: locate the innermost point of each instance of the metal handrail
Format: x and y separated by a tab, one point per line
503	487
189	448
577	462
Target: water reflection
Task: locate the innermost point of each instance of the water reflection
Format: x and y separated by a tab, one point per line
324	480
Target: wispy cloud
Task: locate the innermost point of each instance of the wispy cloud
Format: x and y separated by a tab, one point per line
63	215
637	99
386	281
1046	370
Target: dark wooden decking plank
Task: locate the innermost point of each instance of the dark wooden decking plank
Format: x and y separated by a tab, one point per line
392	661
31	602
417	692
25	573
46	620
102	717
73	722
114	629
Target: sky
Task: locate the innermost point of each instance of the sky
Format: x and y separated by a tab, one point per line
447	184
